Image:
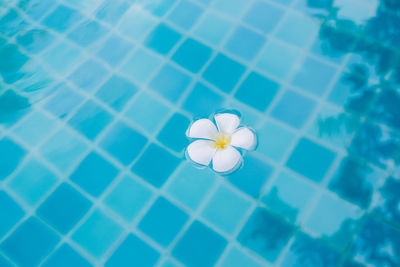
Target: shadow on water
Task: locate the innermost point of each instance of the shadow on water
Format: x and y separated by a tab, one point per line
23	81
370	88
369	94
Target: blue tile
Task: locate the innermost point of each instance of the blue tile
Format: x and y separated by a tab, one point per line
10	22
140	113
231	8
5	262
114	50
136	23
333	127
202	101
376	143
94	174
249	116
30	243
265	234
87	33
297	29
170	83
289	196
89	75
169	263
257	91
293	109
278	59
111	11
64	208
66	256
205	2
36	9
97	234
185	14
141	65
373	236
199	246
191	185
355	182
263	16
160	8
192	55
308	252
133	252
253	167
245	43
35	40
123	143
173	134
212	28
386	110
314	76
36	127
224	73
396	172
63	101
307	7
162	39
63	149
10	213
12	61
11	156
351	263
90	119
163	221
226	209
155	165
388	200
116	92
128	198
35	77
367	67
238	258
32	182
13	107
333	52
63	57
310	159
334	220
62	18
366	11
274	140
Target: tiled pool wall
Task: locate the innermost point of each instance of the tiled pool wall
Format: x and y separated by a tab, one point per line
95	99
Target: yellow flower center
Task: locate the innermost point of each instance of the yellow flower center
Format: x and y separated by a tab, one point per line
222	141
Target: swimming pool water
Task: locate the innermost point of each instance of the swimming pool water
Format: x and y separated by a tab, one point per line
95	99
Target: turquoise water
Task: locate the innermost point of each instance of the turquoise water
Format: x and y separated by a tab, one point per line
96	97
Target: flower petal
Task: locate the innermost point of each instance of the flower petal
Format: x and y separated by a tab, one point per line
203	128
227	122
244	138
226	159
201	151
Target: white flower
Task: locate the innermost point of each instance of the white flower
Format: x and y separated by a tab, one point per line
219	145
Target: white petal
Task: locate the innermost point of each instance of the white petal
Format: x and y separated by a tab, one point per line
201	151
226	159
243	138
203	128
227	122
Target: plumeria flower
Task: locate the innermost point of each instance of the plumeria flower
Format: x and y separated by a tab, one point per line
220	144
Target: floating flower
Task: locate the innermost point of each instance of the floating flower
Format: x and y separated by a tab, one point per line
220	144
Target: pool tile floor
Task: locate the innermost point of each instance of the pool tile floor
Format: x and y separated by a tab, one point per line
95	99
